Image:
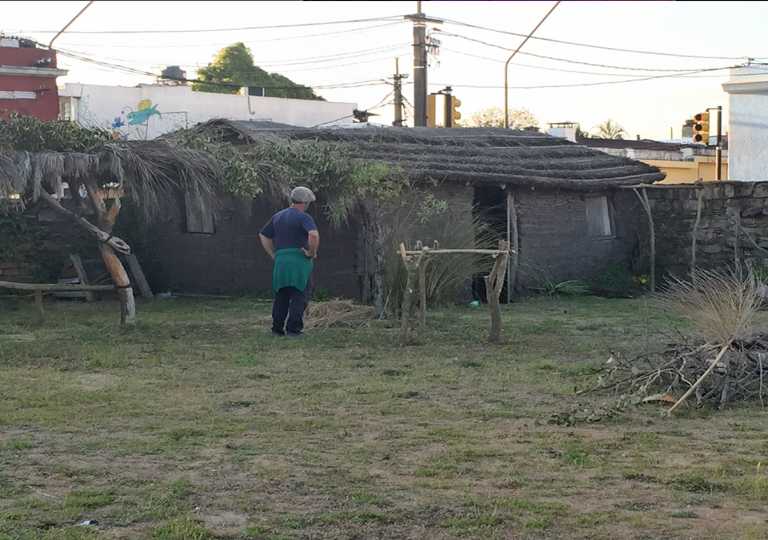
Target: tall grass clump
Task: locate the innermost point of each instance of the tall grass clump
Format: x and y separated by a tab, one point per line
446	275
720	305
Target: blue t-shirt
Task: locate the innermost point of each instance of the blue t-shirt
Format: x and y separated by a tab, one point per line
288	229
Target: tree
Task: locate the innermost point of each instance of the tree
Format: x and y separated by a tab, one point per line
494	117
234	66
610	130
582	134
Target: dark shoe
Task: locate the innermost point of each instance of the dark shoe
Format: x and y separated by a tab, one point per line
300	335
276	334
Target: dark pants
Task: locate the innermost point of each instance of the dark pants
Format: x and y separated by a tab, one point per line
290	302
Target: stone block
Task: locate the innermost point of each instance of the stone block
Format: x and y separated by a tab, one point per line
715	204
746	189
690	205
761	190
728	190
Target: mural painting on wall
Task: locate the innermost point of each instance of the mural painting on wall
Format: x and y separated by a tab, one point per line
144	111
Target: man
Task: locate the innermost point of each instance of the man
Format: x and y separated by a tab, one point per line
290	237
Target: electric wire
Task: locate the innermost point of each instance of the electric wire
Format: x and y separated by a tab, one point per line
559	59
212	30
560	70
594	46
590	84
246	42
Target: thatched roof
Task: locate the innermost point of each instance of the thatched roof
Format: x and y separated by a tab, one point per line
147	170
476	155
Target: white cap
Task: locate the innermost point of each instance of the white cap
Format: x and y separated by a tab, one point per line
302	194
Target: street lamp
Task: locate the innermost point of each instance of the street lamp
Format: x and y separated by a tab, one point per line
506	67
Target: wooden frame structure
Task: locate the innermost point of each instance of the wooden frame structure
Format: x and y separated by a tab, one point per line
416	262
39	288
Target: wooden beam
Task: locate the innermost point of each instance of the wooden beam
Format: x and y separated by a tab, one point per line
141	280
54	287
493	252
113	241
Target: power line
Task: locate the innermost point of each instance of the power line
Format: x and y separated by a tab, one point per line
354	84
271	63
553	58
681	74
595	46
551	69
246	42
204	30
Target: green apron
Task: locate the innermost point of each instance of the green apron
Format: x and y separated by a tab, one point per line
292	269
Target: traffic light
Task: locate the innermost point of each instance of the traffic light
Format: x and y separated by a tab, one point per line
701	128
455	114
431	108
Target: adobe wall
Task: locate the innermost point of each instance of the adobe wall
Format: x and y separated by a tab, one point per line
232	261
553	233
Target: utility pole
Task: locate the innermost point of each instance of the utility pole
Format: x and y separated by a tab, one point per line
420	64
398	77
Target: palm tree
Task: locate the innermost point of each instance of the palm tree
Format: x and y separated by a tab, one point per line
610	130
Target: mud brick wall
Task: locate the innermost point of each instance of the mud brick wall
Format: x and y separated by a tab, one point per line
554	235
674	214
232	261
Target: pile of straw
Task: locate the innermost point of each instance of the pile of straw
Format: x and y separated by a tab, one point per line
337	314
334	314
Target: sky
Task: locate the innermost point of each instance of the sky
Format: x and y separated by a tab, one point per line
336	47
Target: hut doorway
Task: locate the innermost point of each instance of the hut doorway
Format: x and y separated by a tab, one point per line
489	205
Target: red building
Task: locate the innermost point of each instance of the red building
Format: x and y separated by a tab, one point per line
28	79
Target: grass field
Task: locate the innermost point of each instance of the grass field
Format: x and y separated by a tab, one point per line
194	425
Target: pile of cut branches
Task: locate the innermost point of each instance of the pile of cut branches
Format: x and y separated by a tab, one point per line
725	362
740	374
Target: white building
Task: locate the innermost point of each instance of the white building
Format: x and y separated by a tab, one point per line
748	123
150	110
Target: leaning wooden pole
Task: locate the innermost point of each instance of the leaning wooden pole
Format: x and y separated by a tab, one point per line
647	206
699	197
515	243
703	376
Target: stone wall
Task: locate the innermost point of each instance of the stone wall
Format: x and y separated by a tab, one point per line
723	204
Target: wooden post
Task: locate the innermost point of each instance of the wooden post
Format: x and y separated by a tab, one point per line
423	296
494	283
407	302
111	260
89	297
514	234
411	268
39	307
647	206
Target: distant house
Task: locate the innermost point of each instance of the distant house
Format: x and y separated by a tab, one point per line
748	122
28	79
682	162
148	111
571	219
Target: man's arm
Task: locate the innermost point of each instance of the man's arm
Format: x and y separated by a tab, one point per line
314	243
267	245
